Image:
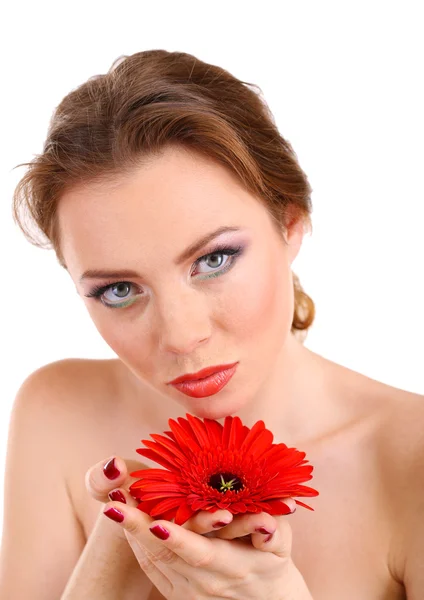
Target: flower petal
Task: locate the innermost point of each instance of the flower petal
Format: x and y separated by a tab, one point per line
226	431
165	505
184	513
283	458
262	443
184	435
303	504
278	451
156	474
169	514
195	450
163	452
278	508
161	495
198	504
156	486
237	434
214	431
239	507
199	430
304	490
146	506
169	445
287	480
180	487
252	435
156	457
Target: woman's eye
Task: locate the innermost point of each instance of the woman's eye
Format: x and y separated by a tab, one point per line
114	295
216	263
118	293
212	262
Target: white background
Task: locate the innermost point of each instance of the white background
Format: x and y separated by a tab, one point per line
345	83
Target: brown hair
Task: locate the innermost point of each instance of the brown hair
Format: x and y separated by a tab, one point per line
104	128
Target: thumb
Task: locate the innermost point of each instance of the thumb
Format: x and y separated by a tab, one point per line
109	474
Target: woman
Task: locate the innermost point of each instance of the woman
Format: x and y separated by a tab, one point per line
177	209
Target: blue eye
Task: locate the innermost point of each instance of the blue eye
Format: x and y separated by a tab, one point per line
216	261
121	289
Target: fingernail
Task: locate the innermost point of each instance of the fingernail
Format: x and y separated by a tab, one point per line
160	532
290	510
110	470
114	514
118	496
262	530
219	524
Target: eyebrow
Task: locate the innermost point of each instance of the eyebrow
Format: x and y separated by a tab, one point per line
188	252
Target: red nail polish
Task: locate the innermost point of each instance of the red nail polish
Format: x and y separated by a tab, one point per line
262	530
219	524
110	470
118	496
114	514
160	532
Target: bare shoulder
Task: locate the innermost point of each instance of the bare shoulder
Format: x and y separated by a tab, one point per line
42	447
76	404
402	426
400	458
402	446
390	433
73	373
397	418
72	401
70	387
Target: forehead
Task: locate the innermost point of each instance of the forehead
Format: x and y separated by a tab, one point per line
168	202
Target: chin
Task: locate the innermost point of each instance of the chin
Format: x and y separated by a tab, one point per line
210	412
234	397
213	407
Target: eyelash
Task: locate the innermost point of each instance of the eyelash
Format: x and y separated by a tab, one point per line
234	252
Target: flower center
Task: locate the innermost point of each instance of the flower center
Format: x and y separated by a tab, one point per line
225	481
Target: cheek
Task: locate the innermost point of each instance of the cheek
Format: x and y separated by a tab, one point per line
263	303
122	334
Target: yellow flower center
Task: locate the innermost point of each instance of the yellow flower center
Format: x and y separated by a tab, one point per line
224	482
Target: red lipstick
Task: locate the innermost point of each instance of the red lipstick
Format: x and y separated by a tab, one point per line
206	382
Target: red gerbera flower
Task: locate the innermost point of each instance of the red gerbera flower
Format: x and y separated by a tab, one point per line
210	466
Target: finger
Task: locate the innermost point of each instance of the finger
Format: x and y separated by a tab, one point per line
175	547
253	523
246	524
206	522
279	542
109	474
154	570
122	495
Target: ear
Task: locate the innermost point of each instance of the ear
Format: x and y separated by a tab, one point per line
294	237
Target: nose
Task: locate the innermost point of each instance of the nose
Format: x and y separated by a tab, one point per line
183	322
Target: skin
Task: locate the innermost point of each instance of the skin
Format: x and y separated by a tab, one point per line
187	563
181	322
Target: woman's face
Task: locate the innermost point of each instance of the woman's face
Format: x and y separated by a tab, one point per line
172	310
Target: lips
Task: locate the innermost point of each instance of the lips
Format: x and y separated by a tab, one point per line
206	382
201	374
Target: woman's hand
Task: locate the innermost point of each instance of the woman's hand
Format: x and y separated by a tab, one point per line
241	557
110	480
